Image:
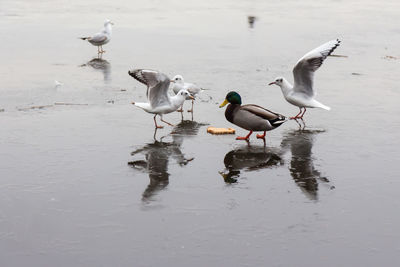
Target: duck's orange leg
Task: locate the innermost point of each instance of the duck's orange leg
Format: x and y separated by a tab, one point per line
261	136
244	137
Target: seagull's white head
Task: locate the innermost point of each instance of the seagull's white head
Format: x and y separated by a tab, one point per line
108	22
178	79
283	84
182	95
278	81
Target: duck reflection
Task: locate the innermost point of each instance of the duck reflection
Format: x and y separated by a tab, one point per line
156	157
101	65
302	168
248	158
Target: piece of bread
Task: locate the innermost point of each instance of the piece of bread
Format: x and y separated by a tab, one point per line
214	130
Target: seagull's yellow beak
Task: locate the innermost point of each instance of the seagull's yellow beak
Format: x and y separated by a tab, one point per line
224	103
191	97
272	83
172	81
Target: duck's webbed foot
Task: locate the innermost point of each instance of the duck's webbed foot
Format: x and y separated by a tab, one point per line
244	137
261	136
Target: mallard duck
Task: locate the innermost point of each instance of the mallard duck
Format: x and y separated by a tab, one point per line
302	93
250	117
179	84
159	101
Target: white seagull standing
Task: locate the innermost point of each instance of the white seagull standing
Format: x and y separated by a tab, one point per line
159	101
179	84
101	38
302	93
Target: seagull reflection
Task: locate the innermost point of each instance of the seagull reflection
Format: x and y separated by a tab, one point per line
156	157
301	165
185	129
101	65
248	158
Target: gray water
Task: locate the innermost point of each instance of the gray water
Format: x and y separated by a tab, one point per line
94	185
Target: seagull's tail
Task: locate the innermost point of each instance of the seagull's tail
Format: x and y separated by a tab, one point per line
144	106
315	104
84	38
326	107
320	105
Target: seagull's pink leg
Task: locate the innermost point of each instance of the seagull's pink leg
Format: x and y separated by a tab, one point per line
300	117
244	137
155	123
180	110
261	136
191	110
297	116
170	124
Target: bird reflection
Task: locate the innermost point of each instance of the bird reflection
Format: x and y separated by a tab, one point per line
101	65
251	20
156	157
185	129
248	158
301	168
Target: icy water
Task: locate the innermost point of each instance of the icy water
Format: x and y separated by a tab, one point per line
94	185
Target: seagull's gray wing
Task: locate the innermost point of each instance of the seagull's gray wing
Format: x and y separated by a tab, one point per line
193	89
98	38
304	70
157	85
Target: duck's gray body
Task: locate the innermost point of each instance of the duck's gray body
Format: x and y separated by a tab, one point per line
253	118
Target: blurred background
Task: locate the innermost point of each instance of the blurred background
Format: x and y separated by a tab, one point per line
87	182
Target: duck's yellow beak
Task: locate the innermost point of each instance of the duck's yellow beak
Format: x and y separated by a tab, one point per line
224	103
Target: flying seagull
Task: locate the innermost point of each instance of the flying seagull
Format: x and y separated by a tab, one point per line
302	93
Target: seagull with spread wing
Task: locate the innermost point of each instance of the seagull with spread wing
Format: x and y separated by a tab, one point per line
159	101
302	93
101	38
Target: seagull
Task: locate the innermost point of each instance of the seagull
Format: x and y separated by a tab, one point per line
57	84
302	93
159	101
179	84
101	38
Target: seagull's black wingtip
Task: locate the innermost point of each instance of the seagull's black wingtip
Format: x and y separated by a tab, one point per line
133	72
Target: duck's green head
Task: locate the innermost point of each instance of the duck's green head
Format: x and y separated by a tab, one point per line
233	98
